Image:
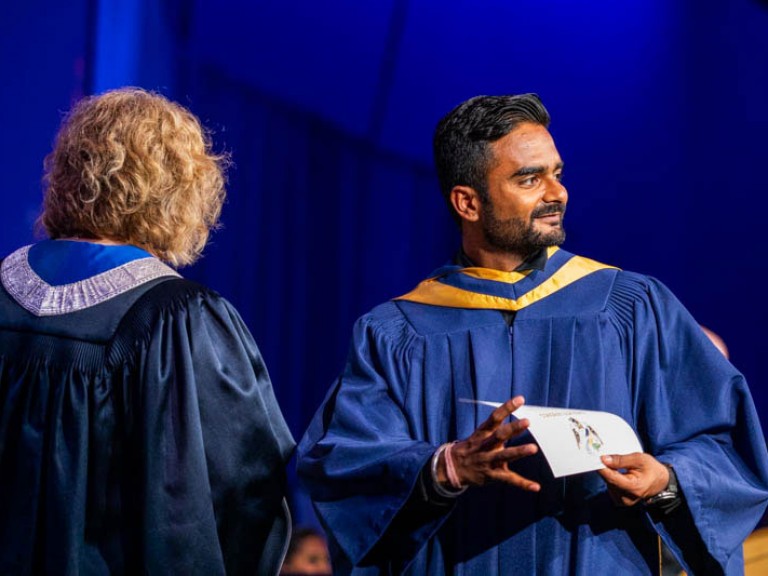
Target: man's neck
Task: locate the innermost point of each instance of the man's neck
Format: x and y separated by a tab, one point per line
496	260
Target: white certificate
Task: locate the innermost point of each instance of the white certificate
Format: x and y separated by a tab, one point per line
573	440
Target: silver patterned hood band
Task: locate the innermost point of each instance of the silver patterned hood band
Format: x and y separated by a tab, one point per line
42	299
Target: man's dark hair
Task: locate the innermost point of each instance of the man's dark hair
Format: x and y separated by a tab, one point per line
462	138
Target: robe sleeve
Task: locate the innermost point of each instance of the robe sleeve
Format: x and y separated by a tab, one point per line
694	411
361	460
213	444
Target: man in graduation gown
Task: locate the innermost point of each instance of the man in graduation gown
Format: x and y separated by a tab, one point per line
139	432
408	477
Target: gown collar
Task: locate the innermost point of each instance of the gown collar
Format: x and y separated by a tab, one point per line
454	286
57	276
536	261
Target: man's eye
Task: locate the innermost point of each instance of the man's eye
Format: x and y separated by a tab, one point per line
530	181
559	177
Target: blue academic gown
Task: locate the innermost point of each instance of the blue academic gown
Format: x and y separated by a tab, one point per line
607	340
139	432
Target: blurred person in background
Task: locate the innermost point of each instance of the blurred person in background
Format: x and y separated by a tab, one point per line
307	554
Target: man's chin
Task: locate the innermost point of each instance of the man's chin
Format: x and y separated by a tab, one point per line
553	238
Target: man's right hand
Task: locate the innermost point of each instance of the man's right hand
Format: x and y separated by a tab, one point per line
483	456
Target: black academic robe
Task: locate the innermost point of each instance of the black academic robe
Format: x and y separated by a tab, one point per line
139	435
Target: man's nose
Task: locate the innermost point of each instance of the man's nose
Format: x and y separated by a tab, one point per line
556	192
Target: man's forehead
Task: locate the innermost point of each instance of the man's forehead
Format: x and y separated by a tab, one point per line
528	142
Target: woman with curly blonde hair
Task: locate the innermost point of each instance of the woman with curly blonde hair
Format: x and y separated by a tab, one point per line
139	432
133	167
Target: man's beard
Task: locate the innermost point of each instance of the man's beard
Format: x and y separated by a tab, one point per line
517	236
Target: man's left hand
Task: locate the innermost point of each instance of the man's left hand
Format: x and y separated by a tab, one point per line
643	476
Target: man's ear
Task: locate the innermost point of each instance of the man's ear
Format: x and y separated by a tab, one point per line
466	202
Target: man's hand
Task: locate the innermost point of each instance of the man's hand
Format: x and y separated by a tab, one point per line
644	476
483	457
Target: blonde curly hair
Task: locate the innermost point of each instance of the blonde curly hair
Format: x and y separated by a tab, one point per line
131	166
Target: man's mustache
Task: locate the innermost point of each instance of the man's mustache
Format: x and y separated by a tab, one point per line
548	209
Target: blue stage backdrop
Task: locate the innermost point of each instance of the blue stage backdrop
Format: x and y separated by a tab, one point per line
659	110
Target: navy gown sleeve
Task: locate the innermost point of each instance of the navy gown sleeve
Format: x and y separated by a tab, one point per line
361	457
695	412
207	436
